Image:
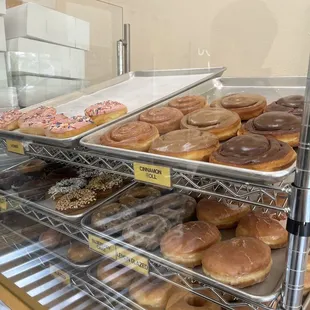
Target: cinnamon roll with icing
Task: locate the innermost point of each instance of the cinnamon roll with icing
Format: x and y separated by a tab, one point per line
220	122
188	104
280	125
255	152
136	136
246	105
290	104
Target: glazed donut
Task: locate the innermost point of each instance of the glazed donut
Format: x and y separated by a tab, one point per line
291	104
51	238
280	125
246	105
188	104
221	214
70	127
254	152
165	119
222	123
66	186
115	275
145	231
76	200
32	167
151	293
38	112
9	120
80	253
184	300
175	207
111	216
185	243
186	143
264	227
105	111
239	262
137	136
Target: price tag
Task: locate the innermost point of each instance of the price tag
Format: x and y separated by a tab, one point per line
15	147
59	274
153	174
3	203
132	260
102	246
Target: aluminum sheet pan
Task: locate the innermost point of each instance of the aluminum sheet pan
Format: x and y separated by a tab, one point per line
271	88
262	292
136	90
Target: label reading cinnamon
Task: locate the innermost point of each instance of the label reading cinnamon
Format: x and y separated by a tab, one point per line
15	147
153	174
59	274
3	203
102	246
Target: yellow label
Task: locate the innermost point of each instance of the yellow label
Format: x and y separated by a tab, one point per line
102	246
3	203
132	260
59	274
15	147
157	175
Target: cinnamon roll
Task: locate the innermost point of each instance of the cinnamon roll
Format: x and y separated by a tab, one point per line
291	104
186	143
280	125
222	123
165	119
188	104
136	136
254	152
246	105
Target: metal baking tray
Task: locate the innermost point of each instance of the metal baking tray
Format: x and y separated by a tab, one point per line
262	292
136	90
271	88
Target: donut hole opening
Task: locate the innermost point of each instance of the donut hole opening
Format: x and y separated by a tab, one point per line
195	302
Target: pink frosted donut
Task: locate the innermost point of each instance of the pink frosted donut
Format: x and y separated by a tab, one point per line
38	112
105	111
9	119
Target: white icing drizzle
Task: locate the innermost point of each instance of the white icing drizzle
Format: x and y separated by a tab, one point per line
67	186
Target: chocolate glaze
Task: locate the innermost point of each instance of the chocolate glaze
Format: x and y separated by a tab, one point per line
291	104
271	122
251	149
240	100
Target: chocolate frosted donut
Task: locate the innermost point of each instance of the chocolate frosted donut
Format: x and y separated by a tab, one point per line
188	104
177	208
222	123
186	143
281	125
246	105
254	152
290	104
146	231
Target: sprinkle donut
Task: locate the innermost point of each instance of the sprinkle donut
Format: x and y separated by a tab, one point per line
38	112
9	120
66	186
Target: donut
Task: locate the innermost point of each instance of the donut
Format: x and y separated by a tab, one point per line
76	200
115	275
111	216
280	125
145	231
9	120
185	243
150	293
51	238
105	185
255	152
86	173
264	227
32	167
8	178
80	253
34	113
221	214
105	111
175	207
291	104
184	300
165	119
239	262
306	283
62	173
137	136
186	143
70	127
246	105
222	123
66	186
188	104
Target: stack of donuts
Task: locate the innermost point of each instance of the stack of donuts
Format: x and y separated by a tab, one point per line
44	121
237	130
